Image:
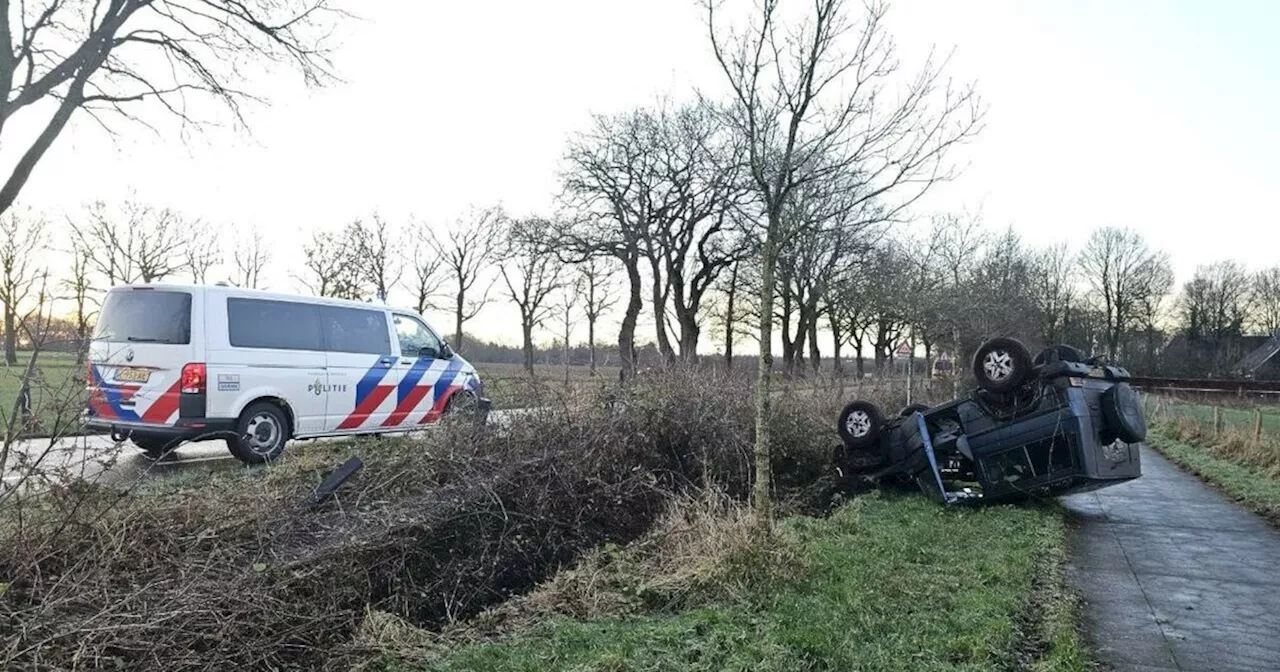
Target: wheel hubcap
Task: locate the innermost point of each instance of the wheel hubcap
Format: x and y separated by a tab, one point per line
262	433
998	365
858	423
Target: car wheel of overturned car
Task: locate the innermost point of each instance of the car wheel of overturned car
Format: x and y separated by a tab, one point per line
913	408
261	434
1060	353
860	424
154	447
1122	411
1001	364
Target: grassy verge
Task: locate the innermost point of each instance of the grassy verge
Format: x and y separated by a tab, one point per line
1246	472
894	583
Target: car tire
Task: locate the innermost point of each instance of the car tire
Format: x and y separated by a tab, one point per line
154	447
860	425
913	408
1122	411
1060	353
1001	365
261	433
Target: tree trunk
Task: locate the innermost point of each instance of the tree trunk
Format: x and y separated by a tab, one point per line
660	316
764	379
729	317
862	362
591	343
526	332
836	365
10	336
788	346
689	333
815	354
627	330
457	330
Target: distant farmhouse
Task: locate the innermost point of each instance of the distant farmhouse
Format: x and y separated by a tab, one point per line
1263	362
1256	357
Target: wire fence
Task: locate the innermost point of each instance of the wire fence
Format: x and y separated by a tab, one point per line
1259	422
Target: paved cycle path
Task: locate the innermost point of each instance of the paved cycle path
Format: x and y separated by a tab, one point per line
1175	576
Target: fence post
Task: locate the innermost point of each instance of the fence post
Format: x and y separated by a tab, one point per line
1257	424
1217	420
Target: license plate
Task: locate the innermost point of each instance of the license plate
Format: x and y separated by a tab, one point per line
133	375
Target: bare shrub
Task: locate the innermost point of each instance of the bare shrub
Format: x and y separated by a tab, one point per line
230	571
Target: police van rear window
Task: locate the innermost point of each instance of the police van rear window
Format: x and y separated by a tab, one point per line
145	316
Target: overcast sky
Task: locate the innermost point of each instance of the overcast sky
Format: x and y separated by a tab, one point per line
1159	115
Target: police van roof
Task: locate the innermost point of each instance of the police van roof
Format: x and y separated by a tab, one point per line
232	290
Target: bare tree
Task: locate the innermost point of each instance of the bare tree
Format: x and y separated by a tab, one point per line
1127	276
1216	302
1053	285
114	58
729	314
693	168
604	180
380	256
467	249
203	252
22	237
531	277
428	270
134	243
597	285
1266	300
566	309
250	257
80	290
331	266
804	109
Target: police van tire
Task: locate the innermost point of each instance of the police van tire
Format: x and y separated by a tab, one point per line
464	405
1122	412
261	433
154	447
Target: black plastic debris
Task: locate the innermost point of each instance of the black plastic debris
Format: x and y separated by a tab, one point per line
331	483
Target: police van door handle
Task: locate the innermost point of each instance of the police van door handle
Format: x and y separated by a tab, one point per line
385	361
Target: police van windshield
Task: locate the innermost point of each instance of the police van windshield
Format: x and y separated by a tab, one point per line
145	316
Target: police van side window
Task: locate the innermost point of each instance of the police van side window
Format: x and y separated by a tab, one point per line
355	330
278	325
414	336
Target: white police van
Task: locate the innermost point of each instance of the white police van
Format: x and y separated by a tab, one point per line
174	363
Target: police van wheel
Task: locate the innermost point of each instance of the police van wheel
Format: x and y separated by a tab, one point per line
464	405
154	447
260	434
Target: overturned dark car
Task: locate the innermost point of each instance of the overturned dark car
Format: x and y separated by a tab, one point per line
1048	426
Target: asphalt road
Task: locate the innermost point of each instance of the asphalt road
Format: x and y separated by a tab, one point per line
98	458
1175	576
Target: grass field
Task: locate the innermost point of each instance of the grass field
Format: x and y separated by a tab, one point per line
1234	417
895	583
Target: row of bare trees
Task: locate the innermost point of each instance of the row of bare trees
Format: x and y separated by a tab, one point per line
107	245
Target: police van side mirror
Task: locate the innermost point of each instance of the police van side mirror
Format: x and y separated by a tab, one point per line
446	352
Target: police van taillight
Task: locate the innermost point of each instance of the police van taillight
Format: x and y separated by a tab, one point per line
194	379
